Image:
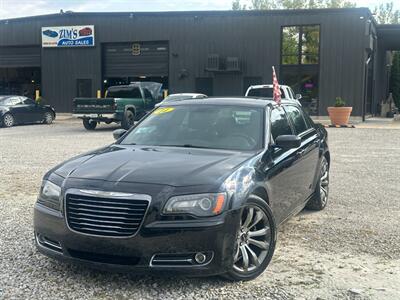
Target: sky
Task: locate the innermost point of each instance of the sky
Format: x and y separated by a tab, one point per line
22	8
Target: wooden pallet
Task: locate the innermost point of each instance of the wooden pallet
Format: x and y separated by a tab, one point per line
340	126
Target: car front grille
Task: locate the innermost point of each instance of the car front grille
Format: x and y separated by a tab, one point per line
113	217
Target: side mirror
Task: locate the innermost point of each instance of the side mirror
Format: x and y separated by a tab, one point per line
288	142
299	96
118	133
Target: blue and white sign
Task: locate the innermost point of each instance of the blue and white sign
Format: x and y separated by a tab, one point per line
68	36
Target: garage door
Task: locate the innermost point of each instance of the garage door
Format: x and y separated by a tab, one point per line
19	57
135	59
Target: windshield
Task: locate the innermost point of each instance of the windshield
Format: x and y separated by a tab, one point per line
201	126
266	92
177	97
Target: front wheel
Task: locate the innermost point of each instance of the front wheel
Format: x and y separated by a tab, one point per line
255	240
89	124
48	118
321	193
129	119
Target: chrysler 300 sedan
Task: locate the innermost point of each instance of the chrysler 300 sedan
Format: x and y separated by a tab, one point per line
196	187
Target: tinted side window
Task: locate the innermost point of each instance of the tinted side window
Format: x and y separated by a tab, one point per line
279	123
28	101
296	116
14	101
147	94
136	93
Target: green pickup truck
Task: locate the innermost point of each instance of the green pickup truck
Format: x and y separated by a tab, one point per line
123	104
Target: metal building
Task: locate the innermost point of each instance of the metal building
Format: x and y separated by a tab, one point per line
321	53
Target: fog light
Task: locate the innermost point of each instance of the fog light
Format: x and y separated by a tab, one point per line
200	258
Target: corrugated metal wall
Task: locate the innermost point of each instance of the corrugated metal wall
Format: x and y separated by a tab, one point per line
253	37
150	59
14	57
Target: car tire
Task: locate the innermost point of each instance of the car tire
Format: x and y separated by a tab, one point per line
89	124
8	120
129	119
255	241
321	193
48	117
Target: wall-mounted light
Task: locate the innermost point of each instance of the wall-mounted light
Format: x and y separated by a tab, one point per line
105	80
142	77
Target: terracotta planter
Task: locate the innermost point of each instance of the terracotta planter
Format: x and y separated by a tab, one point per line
339	115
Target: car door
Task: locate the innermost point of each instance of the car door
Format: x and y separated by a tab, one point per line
33	110
283	169
307	153
18	109
148	99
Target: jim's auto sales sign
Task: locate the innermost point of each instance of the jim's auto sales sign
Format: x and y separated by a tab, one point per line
68	36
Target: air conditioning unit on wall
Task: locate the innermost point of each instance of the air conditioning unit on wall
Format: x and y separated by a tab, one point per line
215	63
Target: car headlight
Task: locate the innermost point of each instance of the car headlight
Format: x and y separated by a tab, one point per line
200	205
50	195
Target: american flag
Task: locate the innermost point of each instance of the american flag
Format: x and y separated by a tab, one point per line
277	90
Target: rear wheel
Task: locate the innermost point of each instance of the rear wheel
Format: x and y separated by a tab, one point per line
8	120
321	193
129	119
48	118
255	241
89	124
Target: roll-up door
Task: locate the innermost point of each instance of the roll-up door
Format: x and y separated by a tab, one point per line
19	57
135	59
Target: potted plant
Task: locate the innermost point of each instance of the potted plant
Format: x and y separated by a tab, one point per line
340	113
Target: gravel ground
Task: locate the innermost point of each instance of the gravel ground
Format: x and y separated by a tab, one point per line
351	250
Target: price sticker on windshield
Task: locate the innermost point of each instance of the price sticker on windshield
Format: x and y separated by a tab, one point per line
163	110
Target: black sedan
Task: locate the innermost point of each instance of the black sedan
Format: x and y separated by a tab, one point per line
23	110
196	187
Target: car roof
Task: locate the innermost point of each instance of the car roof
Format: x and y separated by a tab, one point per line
260	86
240	101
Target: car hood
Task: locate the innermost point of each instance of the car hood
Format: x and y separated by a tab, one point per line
154	165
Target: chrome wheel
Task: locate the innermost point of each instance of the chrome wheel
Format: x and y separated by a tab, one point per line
253	239
8	120
48	118
324	182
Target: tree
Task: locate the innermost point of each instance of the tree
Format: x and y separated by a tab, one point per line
292	4
386	14
395	79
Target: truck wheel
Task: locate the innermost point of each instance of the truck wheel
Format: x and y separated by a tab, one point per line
89	124
129	119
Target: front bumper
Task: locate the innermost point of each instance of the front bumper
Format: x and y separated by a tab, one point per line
215	238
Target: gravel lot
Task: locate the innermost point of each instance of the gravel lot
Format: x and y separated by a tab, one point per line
351	250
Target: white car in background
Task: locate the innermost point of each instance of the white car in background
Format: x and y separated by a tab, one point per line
267	90
182	96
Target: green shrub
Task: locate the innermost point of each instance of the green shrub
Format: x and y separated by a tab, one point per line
340	102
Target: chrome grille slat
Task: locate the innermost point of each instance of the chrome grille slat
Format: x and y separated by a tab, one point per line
107	202
85	224
105	206
104	216
128	222
105	212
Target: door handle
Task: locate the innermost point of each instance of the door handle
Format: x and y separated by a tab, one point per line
300	152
